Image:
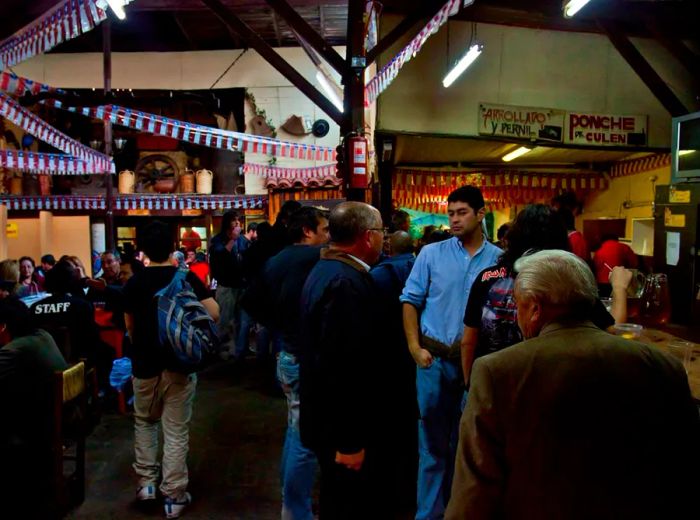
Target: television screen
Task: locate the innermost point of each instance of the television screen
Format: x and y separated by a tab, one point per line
686	146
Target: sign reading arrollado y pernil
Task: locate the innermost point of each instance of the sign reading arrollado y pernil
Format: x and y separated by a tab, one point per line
605	129
542	124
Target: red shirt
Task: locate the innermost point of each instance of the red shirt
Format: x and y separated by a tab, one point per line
201	269
612	253
578	246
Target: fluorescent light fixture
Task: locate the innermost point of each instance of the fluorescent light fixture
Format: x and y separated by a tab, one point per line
118	8
685	152
573	6
331	92
516	153
471	55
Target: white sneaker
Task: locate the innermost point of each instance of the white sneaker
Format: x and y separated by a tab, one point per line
174	507
146	492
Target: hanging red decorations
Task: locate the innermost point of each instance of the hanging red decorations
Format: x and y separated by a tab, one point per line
645	164
427	190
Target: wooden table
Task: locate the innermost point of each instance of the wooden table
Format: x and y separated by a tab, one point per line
661	339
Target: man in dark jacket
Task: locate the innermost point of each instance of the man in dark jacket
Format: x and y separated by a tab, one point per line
574	423
283	279
339	393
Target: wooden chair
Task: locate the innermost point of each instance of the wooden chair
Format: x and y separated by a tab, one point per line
68	438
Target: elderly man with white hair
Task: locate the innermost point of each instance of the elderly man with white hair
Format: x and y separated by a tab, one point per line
573	422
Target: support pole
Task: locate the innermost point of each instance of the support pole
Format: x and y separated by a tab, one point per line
354	82
107	72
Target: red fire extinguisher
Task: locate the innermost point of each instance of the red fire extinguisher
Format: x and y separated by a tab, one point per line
357	163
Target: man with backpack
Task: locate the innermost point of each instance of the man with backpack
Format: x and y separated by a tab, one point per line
164	382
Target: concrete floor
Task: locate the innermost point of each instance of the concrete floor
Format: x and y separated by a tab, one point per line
236	440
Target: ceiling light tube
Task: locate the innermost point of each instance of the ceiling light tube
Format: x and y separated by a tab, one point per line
469	58
329	90
685	152
573	6
118	8
516	153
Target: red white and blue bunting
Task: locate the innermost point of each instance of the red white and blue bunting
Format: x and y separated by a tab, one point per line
18	86
189	202
43	163
34	125
59	203
132	202
381	81
283	177
67	20
200	134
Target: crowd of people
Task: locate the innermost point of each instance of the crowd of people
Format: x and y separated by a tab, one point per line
449	377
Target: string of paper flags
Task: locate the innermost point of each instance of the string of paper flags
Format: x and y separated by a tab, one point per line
201	134
34	125
381	81
133	202
67	20
44	163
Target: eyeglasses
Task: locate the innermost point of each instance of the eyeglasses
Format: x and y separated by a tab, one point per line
384	230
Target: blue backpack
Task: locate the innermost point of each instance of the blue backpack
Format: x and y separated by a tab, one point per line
184	324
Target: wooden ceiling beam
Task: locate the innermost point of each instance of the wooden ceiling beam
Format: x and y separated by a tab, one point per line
256	42
643	69
303	29
192	45
676	47
276	26
404	26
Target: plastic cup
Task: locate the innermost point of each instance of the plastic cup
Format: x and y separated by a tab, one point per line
628	330
681	350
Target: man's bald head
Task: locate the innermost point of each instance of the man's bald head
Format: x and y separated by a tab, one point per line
401	243
349	220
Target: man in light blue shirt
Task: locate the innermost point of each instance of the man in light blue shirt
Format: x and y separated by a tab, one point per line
434	300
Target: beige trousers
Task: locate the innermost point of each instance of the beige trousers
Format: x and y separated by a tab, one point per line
165	399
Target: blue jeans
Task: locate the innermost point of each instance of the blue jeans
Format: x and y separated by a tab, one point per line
441	398
263	338
298	464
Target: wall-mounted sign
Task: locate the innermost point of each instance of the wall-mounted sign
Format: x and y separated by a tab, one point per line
516	122
11	230
605	129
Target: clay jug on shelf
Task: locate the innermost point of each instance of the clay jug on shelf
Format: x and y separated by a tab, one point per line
16	186
127	181
187	182
204	181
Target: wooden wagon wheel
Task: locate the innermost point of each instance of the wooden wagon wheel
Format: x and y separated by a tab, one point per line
155	167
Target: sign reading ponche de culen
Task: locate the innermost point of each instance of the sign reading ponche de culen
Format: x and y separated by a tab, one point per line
605	130
521	122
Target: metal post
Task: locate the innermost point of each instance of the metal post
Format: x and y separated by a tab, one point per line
107	71
354	82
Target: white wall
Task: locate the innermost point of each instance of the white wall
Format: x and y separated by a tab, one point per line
199	70
564	70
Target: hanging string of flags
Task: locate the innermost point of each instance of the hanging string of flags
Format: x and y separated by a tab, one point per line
45	163
34	125
15	85
381	81
283	177
67	20
282	172
201	134
126	202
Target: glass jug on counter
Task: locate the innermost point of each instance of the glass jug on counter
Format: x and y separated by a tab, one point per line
655	301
